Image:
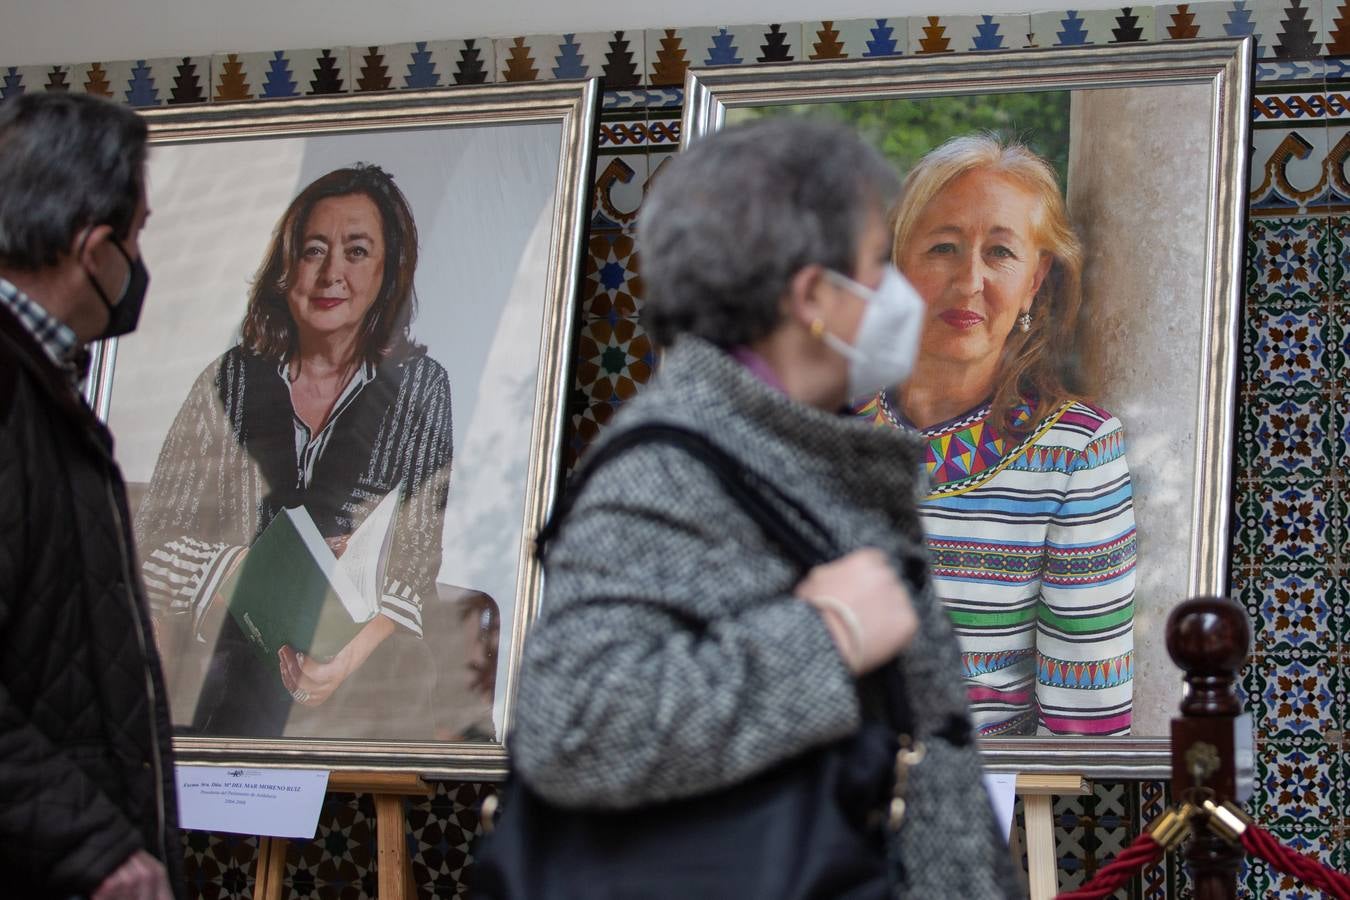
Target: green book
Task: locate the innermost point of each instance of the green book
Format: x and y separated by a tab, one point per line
291	589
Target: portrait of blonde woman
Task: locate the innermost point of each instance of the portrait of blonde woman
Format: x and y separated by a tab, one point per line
1029	515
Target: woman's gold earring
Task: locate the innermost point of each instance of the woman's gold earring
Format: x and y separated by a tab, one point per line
1024	322
817	329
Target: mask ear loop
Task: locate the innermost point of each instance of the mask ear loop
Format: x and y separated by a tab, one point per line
817	327
131	268
833	341
126	282
98	288
856	288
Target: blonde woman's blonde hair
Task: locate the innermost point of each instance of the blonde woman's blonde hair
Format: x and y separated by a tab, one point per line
1038	367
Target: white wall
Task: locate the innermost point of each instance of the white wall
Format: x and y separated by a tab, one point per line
38	32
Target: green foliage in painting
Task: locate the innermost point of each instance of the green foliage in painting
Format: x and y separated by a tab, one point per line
906	129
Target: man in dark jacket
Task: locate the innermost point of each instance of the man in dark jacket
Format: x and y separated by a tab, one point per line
87	805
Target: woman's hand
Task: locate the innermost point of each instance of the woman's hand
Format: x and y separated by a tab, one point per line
312	681
865	606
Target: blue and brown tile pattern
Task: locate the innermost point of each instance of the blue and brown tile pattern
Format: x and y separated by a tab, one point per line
854	39
957	34
1091	27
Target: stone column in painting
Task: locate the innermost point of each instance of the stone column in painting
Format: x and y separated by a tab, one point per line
1138	168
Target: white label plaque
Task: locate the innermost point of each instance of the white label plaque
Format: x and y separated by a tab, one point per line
1002	787
273	802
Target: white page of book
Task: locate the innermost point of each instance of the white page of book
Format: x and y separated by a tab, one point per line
357	607
367	550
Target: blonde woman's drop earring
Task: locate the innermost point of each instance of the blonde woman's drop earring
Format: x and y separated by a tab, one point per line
1024	322
817	329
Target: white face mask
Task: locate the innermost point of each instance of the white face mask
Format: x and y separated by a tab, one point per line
883	352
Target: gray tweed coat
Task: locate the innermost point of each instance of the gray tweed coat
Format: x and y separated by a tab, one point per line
619	702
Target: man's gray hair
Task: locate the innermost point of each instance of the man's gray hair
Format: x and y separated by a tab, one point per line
67	161
729	222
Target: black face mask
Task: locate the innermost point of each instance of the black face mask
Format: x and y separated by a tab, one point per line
124	315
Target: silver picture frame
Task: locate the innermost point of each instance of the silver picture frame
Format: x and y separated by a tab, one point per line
405	132
1185	443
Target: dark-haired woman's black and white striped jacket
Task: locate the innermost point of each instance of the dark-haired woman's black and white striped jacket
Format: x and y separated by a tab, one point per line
236	455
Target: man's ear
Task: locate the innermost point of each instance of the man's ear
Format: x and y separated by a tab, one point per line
88	243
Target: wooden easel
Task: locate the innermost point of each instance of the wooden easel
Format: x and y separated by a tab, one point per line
392	864
395	869
1036	791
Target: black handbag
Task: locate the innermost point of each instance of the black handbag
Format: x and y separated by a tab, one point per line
814	826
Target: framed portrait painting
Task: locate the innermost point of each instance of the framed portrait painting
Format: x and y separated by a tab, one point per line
1148	149
341	418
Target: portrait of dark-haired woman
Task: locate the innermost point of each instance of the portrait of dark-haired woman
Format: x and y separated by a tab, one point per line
325	403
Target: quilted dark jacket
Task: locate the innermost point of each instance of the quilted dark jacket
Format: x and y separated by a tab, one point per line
86	776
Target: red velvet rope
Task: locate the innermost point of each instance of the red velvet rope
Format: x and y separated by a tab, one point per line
1259	842
1255	840
1113	875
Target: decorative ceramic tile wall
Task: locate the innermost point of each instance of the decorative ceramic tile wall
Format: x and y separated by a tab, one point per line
1293	442
1290	547
139	83
420	65
618	56
285	74
958	34
854	39
1090	27
1199	20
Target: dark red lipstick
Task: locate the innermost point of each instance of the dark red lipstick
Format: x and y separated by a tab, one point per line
961	318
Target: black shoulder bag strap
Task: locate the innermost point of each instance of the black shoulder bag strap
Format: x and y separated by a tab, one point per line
881	692
744	486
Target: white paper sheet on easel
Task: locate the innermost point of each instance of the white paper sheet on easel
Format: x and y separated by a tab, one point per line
272	802
1002	787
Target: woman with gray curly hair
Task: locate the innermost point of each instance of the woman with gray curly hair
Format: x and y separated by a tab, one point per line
681	651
